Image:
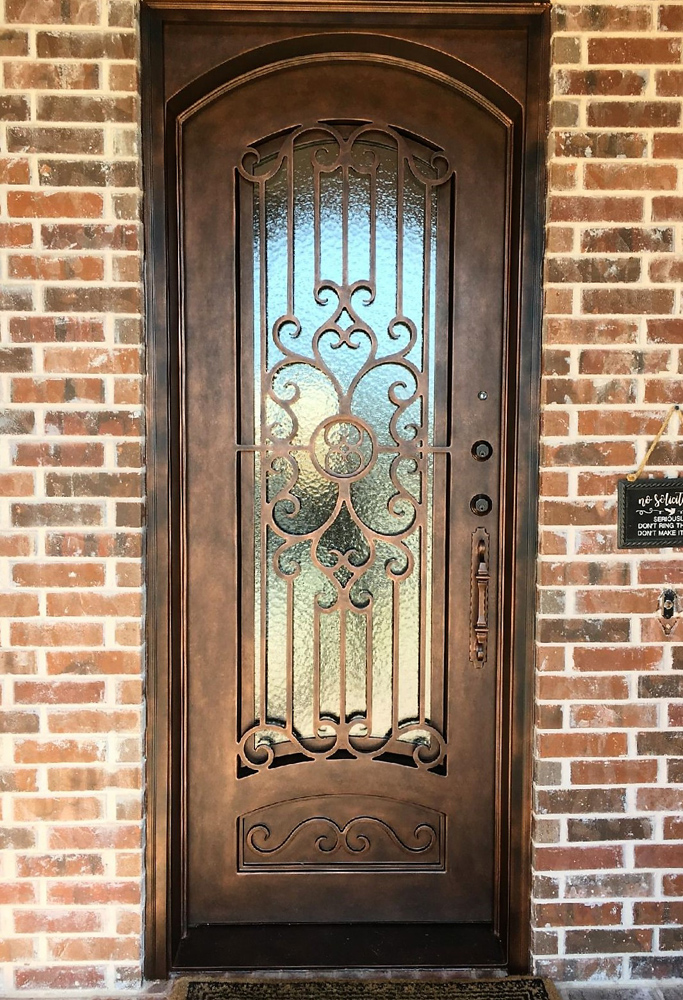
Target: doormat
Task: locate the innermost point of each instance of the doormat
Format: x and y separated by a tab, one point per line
513	988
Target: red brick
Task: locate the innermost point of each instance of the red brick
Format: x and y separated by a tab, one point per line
13	484
16	545
67	298
96	661
665	331
93	721
60	574
591	331
608	391
70	108
123	836
667	208
658	913
90	236
582	744
90	893
631	177
618	51
672	885
598	940
32	267
84	603
578	512
52	11
601	145
670	17
62	455
666	269
603	17
62	634
617	716
627	300
14	171
617	658
659	855
58	692
86	45
73	751
572	573
13	43
658	799
667	145
19	605
19	722
606	82
36	204
634	114
94	949
584	453
576	208
34	329
17	892
577	858
26	515
669	83
61	921
59	977
57	808
616	601
58	865
15	234
57	390
663	390
51	76
577	914
613	772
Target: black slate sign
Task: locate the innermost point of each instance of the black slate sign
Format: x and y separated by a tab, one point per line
650	514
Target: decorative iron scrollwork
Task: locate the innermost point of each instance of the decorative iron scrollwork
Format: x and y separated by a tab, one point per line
344	439
342	831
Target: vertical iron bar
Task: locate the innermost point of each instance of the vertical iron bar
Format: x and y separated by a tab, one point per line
263	288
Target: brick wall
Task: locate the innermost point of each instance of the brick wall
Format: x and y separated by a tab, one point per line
70	491
609	858
609	898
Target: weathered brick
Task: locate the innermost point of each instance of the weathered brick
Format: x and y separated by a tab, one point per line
54	205
30	329
24	75
52	11
627	300
598	829
601	145
601	81
616	51
584	942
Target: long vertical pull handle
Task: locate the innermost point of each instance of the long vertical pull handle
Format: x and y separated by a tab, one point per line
480	597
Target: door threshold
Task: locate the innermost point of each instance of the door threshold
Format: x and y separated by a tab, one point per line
380	974
357	947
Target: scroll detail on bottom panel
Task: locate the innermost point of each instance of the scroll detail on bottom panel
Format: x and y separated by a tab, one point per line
339	832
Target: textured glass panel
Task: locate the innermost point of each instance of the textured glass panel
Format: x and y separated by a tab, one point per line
344	287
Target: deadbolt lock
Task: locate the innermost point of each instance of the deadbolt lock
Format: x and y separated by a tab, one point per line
482	450
481	504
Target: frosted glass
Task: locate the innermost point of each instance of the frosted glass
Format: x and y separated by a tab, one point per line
344	289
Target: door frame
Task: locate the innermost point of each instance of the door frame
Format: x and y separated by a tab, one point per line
164	918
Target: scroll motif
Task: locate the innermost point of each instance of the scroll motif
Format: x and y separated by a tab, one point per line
329	832
345	224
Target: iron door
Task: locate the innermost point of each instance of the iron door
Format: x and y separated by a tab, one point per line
345	215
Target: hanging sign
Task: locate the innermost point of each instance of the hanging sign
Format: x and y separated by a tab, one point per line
650	514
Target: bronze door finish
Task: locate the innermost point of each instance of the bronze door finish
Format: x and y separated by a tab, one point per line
342	306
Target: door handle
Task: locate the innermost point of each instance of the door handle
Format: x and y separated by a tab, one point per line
481	577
